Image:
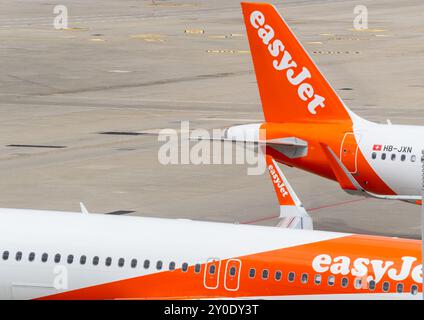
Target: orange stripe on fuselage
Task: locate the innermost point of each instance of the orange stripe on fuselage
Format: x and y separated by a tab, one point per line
315	161
298	259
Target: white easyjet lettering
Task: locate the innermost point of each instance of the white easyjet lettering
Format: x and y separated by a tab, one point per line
276	179
362	267
305	90
257	19
275	48
266	34
299	78
340	266
321	263
404	271
417	274
380	267
284	62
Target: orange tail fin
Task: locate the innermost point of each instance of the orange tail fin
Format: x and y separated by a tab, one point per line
291	87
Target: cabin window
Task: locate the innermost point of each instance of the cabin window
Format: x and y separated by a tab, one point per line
386	286
345	282
146	264
265	274
252	273
57	258
212	269
31	256
44	257
402	157
18	256
371	285
172	265
374	155
414	289
70	259
393	156
278	275
5	255
159	265
96	260
83	259
232	271
291	276
331	280
197	268
318	279
133	263
399	288
304	278
383	156
358	283
121	262
184	267
413	158
108	261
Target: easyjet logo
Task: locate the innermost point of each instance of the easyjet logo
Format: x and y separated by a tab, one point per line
361	267
284	62
277	181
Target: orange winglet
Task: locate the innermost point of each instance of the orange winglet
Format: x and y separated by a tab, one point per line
283	194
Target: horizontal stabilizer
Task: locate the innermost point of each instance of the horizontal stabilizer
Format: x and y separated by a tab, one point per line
251	135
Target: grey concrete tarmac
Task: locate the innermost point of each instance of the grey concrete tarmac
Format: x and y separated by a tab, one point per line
130	66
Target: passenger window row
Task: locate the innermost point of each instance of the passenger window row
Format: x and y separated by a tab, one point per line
265	274
331	280
57	258
278	275
393	156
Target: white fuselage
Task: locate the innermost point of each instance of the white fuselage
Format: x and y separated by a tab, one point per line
103	236
398	162
93	256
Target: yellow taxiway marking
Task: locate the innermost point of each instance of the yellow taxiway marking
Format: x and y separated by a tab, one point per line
194	31
336	52
148	37
171	5
75	29
218	37
227	51
229	119
368	30
119	71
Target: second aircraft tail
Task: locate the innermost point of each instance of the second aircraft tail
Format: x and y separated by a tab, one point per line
291	87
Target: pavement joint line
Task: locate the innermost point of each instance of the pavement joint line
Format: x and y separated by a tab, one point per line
336	204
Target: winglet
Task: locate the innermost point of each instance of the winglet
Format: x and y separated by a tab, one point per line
83	208
292	213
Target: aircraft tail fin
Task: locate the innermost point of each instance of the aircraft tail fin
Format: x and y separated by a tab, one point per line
292	213
291	87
